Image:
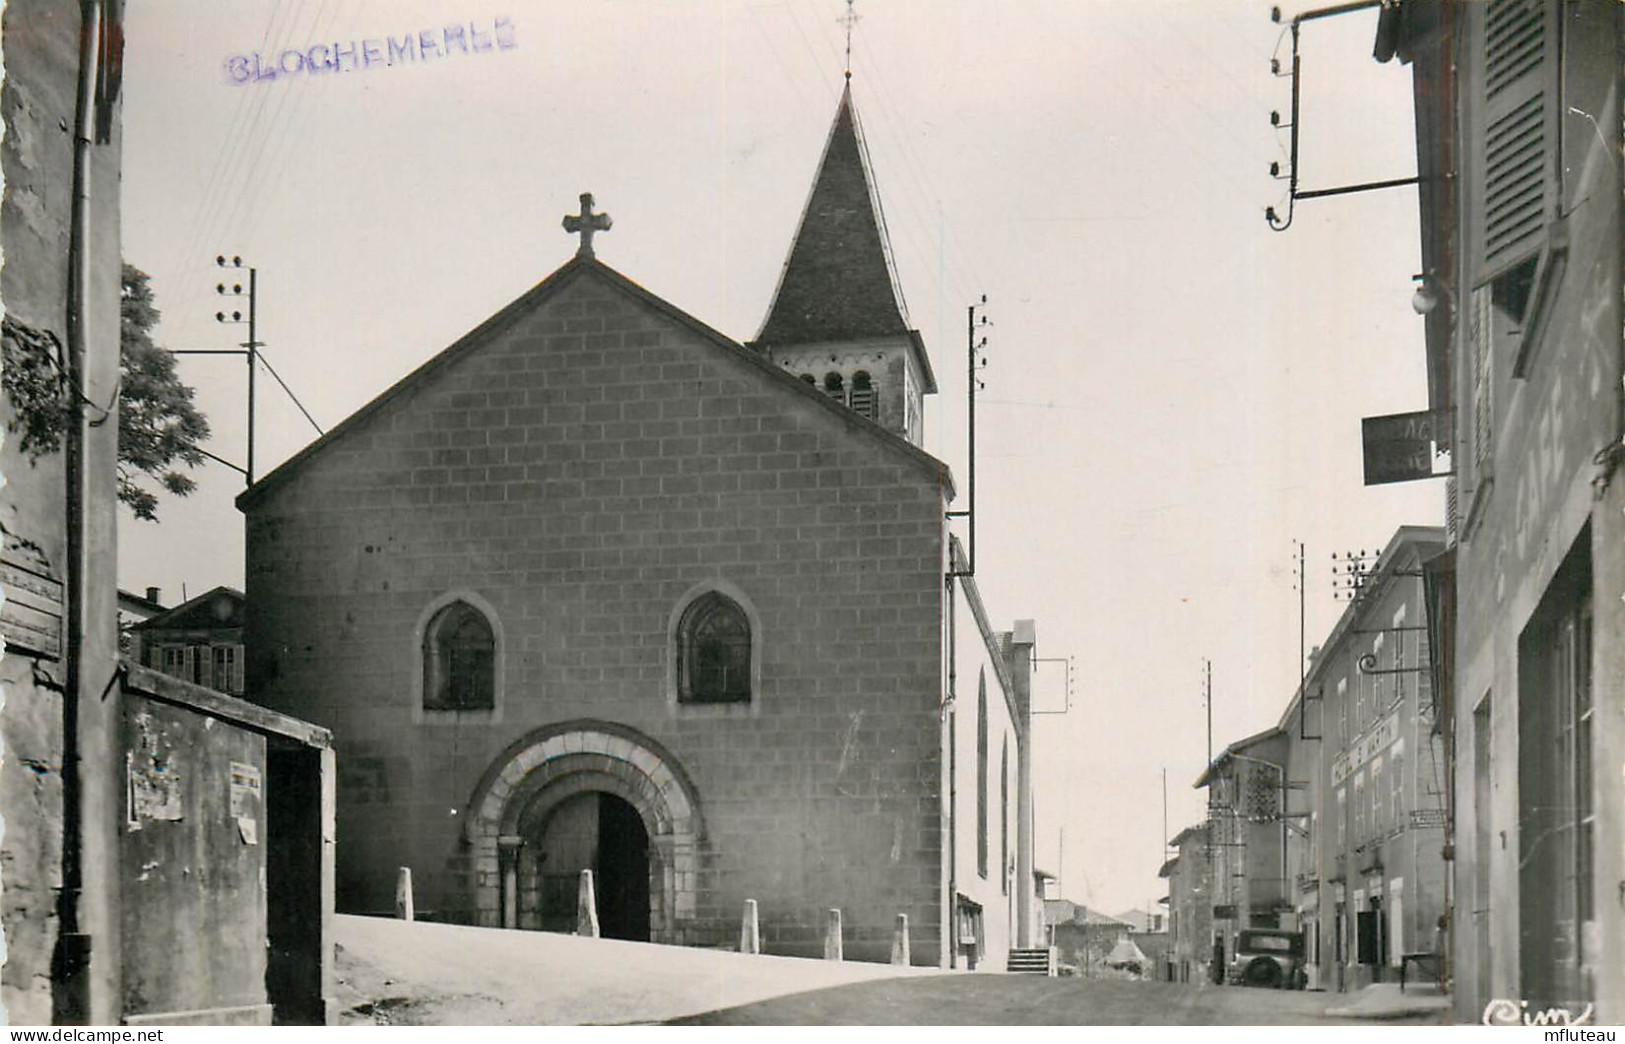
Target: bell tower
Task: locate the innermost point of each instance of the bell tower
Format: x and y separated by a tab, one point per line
837	319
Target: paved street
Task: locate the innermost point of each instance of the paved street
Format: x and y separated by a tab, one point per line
1019	1000
395	972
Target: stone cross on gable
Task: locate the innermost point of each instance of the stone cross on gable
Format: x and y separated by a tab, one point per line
586	223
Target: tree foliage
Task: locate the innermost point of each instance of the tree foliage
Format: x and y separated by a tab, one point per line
159	427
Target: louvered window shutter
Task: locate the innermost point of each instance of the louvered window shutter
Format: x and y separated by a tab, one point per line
1518	142
237	670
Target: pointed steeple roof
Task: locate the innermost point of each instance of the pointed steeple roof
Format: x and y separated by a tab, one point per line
837	282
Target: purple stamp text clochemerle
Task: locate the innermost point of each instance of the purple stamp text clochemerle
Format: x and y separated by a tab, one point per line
421	47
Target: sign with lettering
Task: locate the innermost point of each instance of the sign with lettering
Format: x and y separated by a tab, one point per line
31	616
1401	447
1427	817
1367	746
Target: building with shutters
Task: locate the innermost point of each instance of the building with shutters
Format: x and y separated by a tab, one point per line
1246	841
1368	775
600	588
200	641
1518	127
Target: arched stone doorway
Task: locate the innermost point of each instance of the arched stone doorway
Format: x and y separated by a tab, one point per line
591	830
555	798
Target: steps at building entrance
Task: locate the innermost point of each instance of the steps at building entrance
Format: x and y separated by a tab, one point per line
1035	961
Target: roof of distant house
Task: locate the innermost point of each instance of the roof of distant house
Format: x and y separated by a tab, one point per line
1229	753
215	609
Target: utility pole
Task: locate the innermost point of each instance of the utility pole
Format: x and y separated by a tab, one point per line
1165	814
249	350
1208	699
974	345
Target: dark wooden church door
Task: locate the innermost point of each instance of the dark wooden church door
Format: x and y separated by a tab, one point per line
602	833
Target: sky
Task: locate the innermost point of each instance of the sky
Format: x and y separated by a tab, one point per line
1173	392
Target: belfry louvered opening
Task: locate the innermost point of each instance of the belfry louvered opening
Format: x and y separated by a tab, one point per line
1518	136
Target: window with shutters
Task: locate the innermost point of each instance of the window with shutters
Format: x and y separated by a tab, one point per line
1518	140
1379	796
1359	807
1481	403
1521	247
228	668
835	386
174	662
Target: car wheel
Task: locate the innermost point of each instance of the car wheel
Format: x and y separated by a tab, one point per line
1262	971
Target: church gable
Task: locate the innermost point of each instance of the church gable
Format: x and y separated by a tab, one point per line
577	360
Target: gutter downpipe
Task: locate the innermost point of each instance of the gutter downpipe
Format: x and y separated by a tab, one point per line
71	998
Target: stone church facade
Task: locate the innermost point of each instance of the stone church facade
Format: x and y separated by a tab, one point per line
599	587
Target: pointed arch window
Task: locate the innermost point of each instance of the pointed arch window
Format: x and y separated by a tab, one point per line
459	660
981	774
1004	818
714	651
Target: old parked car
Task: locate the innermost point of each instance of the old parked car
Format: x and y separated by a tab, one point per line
1268	957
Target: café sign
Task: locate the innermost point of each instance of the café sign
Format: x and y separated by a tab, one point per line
1402	447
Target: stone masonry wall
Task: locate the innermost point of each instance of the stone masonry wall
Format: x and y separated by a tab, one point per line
580	472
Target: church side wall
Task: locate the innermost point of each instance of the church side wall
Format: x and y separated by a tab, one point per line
996	891
579	474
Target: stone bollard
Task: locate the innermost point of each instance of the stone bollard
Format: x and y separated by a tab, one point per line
899	942
832	936
750	931
403	894
587	907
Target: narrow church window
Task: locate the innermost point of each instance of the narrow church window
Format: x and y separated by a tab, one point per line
713	651
981	774
835	387
863	395
459	660
1004	818
810	379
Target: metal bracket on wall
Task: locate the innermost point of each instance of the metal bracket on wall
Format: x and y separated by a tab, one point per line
1294	193
1368	665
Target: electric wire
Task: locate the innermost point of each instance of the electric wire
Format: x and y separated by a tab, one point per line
272	371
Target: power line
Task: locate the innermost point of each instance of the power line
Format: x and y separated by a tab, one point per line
272	371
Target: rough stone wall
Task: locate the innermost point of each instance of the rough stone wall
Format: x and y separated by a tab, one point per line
40	41
580	473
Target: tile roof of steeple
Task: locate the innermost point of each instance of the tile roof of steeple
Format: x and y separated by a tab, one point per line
837	282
